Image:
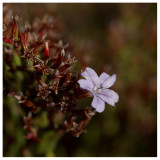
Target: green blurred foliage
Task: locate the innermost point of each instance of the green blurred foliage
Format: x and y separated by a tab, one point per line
115	38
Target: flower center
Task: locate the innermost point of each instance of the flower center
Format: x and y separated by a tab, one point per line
97	89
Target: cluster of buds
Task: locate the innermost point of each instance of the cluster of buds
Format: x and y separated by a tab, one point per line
53	84
77	128
23	100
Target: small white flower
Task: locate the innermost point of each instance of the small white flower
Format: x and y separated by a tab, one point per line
98	86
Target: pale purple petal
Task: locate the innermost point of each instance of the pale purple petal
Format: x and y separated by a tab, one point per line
85	84
90	75
98	104
109	82
102	78
109	96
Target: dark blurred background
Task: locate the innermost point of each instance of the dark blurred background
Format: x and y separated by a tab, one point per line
115	38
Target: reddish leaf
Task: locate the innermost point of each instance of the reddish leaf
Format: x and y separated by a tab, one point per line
23	42
6	40
46	50
15	29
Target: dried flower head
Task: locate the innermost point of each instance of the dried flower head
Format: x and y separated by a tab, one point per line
51	86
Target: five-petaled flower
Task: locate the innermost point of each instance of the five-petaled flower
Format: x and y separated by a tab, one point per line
98	86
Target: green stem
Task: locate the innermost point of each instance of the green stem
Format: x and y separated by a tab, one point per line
7	45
